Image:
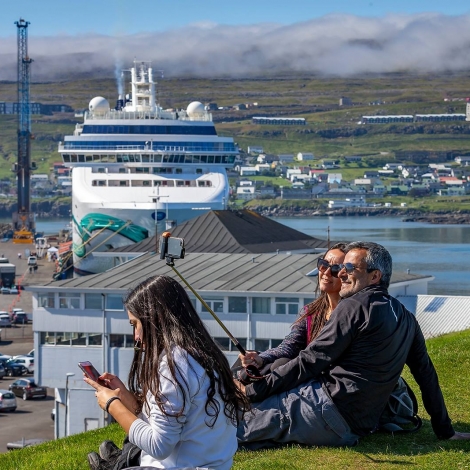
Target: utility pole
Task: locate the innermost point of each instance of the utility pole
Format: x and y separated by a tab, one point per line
23	219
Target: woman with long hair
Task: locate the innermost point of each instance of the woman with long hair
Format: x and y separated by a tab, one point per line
182	406
312	317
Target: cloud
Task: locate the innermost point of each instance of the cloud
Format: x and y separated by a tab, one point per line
334	45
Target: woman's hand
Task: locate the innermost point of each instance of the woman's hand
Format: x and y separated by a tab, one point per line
102	394
251	358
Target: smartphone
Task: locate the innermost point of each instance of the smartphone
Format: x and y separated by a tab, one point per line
89	369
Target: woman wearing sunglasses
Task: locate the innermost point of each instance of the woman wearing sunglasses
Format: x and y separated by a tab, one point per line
312	317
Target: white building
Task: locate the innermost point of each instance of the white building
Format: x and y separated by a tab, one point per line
302	156
257	297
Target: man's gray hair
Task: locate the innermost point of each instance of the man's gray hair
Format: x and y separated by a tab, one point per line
377	257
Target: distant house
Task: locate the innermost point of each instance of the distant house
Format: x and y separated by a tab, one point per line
247	193
329	164
464	161
248	171
352	159
344	101
286	157
334	178
303	156
255	149
284	121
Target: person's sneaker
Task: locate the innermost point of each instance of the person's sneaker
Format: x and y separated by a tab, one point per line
94	461
109	450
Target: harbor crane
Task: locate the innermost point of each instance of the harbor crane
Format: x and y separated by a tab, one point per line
23	219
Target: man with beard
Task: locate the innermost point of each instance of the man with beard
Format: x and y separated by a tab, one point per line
334	392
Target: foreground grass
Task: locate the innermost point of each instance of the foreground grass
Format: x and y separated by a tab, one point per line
385	451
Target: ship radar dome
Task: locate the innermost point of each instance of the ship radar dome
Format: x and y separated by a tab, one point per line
98	105
195	108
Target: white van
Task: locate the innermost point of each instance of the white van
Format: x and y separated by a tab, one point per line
32	261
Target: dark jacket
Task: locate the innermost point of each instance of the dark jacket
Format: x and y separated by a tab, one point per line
358	357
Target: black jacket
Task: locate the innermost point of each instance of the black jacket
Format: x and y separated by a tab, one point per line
358	357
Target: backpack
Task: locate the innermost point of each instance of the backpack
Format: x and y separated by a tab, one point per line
401	412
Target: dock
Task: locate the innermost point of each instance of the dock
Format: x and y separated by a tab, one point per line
24	277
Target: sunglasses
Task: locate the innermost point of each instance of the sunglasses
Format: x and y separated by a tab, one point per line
349	268
323	267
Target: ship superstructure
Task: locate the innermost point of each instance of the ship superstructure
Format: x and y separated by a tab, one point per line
138	168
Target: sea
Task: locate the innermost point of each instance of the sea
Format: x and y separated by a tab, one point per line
441	251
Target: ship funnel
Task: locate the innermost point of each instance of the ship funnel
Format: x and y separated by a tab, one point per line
119	103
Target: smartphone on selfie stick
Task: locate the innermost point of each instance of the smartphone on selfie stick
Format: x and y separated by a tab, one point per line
172	248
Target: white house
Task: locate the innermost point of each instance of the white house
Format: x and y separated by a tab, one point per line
334	178
303	156
248	171
247	193
255	149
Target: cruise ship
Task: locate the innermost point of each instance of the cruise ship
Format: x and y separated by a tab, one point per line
138	169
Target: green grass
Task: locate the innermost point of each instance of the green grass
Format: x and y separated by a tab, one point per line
379	451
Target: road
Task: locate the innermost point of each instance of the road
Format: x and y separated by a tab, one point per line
32	418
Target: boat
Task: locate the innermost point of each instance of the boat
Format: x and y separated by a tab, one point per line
138	169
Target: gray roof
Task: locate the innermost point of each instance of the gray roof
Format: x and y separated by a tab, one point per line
276	273
228	231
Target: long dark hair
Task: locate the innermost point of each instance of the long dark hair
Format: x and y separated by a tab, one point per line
318	309
169	319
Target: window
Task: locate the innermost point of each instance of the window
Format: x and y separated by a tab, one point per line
265	344
93	301
69	300
217	305
286	305
46	300
51	338
261	305
237	304
114	302
116	341
308	301
225	344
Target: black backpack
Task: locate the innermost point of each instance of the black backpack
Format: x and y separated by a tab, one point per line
401	413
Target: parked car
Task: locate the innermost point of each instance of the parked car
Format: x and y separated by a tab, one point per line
7	401
5	356
13	290
27	389
4	290
26	361
5	320
3	372
12	369
20	318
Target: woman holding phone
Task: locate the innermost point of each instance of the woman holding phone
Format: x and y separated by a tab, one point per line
182	406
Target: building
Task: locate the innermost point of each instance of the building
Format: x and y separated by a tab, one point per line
282	121
257	296
304	156
255	149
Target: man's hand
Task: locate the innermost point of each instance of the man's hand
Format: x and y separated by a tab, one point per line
460	436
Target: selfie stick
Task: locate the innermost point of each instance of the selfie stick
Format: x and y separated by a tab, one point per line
170	262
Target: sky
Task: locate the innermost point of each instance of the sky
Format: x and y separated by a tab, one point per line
238	38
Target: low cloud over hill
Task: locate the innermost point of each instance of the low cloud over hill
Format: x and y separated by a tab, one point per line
336	45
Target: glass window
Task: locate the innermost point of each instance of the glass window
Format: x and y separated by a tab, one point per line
95	339
225	344
114	302
308	301
63	339
237	304
93	301
69	300
116	341
286	305
262	344
78	339
46	300
261	305
217	305
47	337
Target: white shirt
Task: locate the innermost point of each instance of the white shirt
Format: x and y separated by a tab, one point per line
186	441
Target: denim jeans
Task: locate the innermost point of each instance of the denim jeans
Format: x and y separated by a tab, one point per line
304	415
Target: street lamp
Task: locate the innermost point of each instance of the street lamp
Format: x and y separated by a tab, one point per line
67	375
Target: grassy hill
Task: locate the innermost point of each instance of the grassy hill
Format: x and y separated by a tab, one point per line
385	451
331	130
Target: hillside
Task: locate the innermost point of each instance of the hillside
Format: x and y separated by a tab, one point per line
331	130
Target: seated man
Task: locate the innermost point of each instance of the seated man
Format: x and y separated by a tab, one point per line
336	389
